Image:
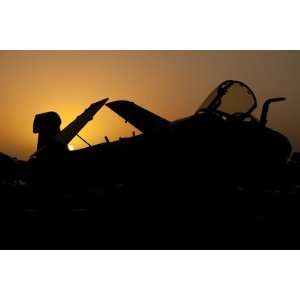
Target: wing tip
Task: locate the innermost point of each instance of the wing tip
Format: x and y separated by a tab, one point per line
102	101
115	103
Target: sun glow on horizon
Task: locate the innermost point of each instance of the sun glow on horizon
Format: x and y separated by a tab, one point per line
71	147
171	84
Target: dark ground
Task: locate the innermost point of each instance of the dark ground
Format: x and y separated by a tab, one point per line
169	216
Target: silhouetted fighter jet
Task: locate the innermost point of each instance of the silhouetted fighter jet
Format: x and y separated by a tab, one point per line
222	140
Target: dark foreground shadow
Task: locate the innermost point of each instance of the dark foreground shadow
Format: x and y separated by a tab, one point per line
150	217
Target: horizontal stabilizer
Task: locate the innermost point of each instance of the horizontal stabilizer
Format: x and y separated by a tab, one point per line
139	117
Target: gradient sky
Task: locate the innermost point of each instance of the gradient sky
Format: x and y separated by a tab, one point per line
169	83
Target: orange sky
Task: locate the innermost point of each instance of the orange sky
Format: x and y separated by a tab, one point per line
170	83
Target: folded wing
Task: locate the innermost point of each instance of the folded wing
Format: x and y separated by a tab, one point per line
139	117
69	132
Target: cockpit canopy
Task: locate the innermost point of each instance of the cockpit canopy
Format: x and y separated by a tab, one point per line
230	97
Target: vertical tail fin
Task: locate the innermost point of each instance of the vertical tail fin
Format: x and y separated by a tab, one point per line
47	125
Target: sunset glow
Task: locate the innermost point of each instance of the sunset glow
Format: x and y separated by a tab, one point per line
71	147
170	83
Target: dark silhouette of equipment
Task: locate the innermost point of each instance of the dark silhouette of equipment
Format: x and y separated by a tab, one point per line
8	168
